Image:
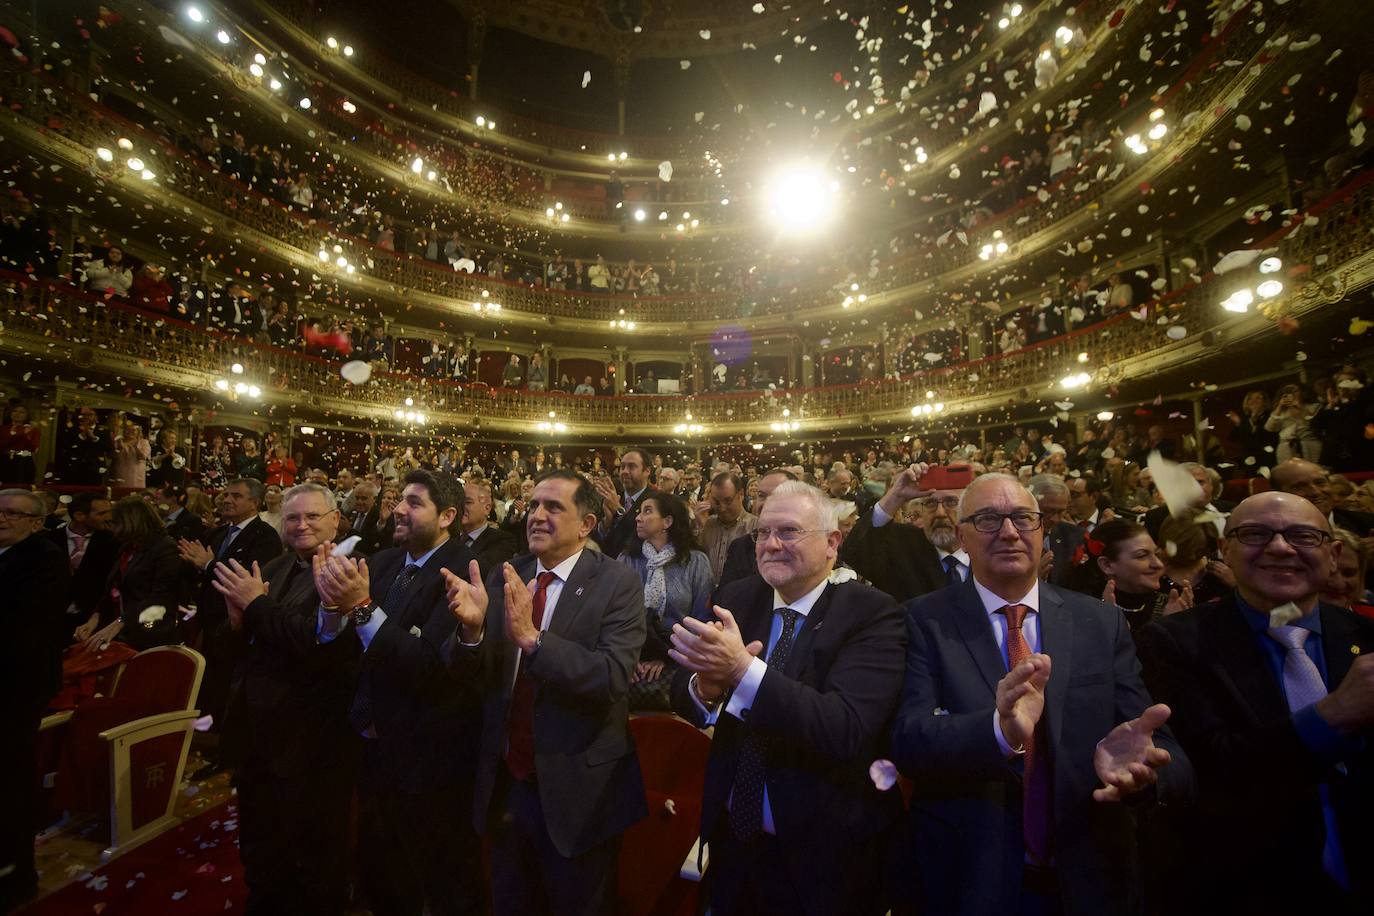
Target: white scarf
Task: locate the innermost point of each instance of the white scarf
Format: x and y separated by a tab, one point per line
655	588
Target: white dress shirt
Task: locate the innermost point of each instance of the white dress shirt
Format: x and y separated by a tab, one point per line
329	624
1030	629
743	696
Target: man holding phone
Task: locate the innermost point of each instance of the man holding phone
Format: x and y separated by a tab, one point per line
908	561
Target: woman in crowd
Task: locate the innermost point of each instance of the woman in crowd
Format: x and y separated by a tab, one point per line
203	508
281	470
271	512
131	453
1122	567
1257	444
139	605
215	464
250	462
1292	420
677	584
1345	588
167	465
1190	558
18	443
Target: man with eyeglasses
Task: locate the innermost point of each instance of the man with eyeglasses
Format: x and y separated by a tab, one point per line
36	578
286	723
1062	537
1024	727
799	678
1273	698
908	561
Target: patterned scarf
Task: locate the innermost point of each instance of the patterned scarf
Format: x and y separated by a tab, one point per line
655	588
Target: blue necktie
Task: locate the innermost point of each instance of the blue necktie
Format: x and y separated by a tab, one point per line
951	563
746	801
229	536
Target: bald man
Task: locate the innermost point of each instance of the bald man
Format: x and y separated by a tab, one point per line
1273	699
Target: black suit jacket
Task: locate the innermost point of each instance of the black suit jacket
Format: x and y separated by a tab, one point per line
622	528
186	525
741	561
288	703
897	559
36	578
1258	795
492	548
1064	539
1361	524
426	721
153	577
826	716
965	809
585	762
88	581
257	542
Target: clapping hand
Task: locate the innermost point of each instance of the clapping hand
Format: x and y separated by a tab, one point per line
1021	699
195	553
1109	593
610	499
341	582
714	651
1126	760
467	601
240	588
520	628
1179	600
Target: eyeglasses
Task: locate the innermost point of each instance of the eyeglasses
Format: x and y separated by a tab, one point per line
991	522
309	518
931	503
10	515
786	535
1302	537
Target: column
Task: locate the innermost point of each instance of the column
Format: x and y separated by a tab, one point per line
620	62
477	39
975	335
619	370
1199	422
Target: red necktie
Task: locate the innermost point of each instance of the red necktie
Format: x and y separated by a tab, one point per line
79	542
520	730
1035	780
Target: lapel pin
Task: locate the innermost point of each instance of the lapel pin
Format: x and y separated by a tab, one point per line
578	594
1354	650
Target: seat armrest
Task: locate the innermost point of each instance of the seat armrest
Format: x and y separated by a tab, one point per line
56	720
159	724
689	870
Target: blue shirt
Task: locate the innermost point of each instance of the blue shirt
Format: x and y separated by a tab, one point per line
1314	731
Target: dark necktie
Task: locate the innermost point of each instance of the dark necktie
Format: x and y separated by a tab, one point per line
520	731
951	564
229	536
746	800
360	713
1035	779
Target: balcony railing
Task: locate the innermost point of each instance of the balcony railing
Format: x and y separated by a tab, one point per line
41	313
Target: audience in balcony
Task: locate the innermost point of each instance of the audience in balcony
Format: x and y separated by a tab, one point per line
249	463
131	453
19	442
1291	420
110	275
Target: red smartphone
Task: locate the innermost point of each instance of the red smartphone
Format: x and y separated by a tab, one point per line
947	478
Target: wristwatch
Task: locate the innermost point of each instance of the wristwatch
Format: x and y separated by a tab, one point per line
362	613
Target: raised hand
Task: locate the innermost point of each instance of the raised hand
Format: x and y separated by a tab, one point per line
1046	564
195	553
1109	593
1126	760
1179	600
239	587
1021	699
714	650
906	487
519	597
467	601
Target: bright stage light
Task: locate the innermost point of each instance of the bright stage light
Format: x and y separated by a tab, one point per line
194	14
802	199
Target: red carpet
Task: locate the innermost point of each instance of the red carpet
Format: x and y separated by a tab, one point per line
192	870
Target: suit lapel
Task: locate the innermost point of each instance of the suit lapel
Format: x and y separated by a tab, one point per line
1341	643
1056	641
800	657
971	619
1239	661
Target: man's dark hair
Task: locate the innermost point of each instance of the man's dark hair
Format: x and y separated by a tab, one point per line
82	502
783	471
729	477
644	455
444	490
257	491
585	497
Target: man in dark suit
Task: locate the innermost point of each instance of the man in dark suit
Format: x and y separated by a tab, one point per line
84	450
490	545
286	726
792	817
1062	537
1312	482
741	560
35	576
617	528
419	724
181	524
907	561
243	537
1023	727
91	553
1273	698
552	640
